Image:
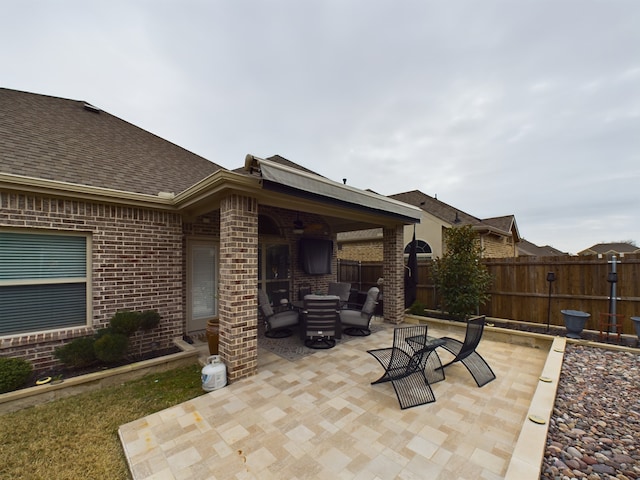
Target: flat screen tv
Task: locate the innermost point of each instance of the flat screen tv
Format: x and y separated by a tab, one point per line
315	255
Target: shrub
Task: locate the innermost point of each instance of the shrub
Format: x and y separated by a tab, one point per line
111	347
417	308
14	373
462	280
76	354
125	322
149	319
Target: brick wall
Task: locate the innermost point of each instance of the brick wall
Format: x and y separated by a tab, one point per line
494	246
393	273
238	280
365	251
136	264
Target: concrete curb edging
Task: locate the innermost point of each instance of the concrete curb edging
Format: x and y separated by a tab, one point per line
526	459
28	397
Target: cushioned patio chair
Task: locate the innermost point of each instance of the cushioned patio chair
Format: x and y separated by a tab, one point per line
277	324
357	322
411	364
465	352
320	324
341	289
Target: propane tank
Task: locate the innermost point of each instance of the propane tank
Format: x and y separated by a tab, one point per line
214	374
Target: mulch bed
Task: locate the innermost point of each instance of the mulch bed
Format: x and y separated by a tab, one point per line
64	373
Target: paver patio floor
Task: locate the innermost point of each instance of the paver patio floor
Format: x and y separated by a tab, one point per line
320	418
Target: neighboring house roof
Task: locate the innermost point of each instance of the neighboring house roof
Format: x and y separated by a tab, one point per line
610	248
529	249
71	141
435	207
505	225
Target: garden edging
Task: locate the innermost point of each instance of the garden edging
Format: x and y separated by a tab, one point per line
27	397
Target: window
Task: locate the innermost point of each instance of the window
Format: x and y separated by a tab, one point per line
44	281
423	249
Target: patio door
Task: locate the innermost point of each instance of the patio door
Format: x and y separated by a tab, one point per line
202	284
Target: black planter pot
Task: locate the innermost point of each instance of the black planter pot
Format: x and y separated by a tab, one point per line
574	321
636	324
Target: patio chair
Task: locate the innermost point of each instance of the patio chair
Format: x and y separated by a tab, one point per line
465	352
320	321
277	325
341	289
357	322
411	364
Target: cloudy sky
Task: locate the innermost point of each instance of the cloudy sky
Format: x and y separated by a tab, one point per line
530	108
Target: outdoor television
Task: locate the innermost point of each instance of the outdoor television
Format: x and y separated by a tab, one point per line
315	255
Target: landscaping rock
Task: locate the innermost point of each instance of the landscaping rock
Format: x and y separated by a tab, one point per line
595	423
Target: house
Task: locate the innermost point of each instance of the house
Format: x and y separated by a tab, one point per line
615	248
98	215
529	249
499	236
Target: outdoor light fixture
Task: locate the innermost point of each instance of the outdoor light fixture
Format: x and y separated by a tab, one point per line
551	277
298	226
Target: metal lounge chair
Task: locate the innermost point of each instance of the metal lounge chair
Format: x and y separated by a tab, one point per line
277	324
320	321
357	322
341	289
411	364
465	352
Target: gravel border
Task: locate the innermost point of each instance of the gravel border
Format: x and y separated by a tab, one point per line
594	430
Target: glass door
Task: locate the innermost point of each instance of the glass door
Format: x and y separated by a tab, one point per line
274	272
202	284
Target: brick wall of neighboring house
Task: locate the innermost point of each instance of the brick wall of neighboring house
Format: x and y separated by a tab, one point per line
497	247
363	251
136	264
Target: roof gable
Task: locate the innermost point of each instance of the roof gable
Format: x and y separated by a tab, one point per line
71	141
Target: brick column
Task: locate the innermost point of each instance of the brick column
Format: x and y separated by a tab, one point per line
238	282
393	272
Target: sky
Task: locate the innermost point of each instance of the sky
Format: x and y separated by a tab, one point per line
524	108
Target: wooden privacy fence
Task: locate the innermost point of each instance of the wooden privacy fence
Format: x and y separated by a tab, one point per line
520	290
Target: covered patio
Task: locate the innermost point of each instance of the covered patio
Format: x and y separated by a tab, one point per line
319	418
258	216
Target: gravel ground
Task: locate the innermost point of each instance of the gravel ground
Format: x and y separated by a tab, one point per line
594	432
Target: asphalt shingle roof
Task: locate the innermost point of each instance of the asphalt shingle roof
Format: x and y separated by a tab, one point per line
59	139
436	208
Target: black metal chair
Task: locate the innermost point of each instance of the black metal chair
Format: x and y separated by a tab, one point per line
465	352
320	321
341	289
411	364
357	322
277	324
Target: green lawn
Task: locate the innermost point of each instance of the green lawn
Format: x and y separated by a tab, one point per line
77	437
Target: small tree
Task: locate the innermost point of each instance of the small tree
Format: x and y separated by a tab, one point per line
462	280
